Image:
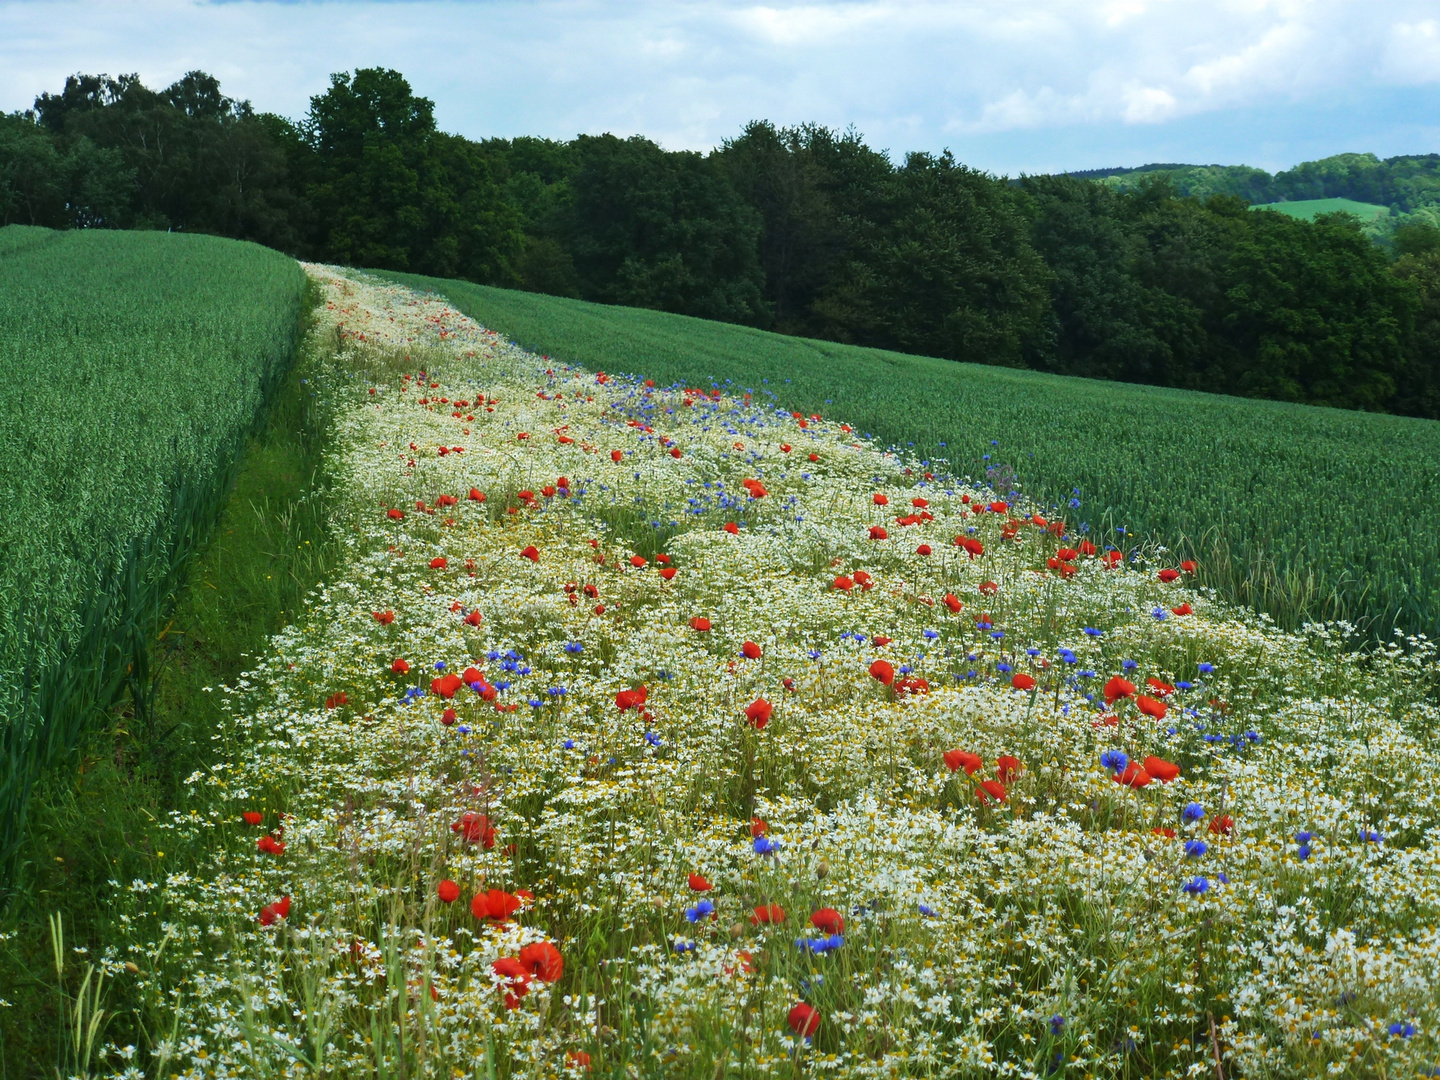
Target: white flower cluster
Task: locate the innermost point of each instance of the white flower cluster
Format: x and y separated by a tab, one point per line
799	757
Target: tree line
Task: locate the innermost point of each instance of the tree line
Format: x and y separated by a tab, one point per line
803	230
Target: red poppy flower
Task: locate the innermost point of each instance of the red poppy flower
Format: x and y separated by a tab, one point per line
877	532
448	891
1168	575
923	549
577	1059
667	573
476	495
474	618
272	913
955	760
863	579
880	641
1160	769
1087	547
803	1020
543	960
882	670
828	920
732	528
988	588
759	826
814	457
770	914
439	563
1223	824
475	828
990	789
750	650
631	699
1164	831
1112	557
880	500
970	545
1023	682
952	602
700	623
253	817
699	883
758	713
400	667
515	980
268	845
394	515
1007	767
384	618
1151	707
785	448
637	561
495	905
616	455
446	685
1183	609
472	675
1133	776
1117	688
843	583
1188	566
531	553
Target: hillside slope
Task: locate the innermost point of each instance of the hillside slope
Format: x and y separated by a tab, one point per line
1259	491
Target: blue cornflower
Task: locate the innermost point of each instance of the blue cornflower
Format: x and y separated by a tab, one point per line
814	654
1057	1024
1197	886
535	703
439	665
1092	631
1074	504
1404	1029
1003	668
574	647
1183	685
765	846
1224	878
1160	613
928	911
1302	852
1195	848
1069	657
1115	760
1032	652
556	691
652	738
1129	665
1205	668
931	635
568	744
703	909
1086	673
997	634
1304	837
684	946
1371	836
1193	812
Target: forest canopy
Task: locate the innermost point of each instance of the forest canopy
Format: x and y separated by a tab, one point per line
1161	276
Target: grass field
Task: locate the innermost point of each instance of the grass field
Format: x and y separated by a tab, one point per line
1302	512
1309	209
637	732
136	365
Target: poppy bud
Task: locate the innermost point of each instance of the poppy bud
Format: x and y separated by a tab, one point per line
822	869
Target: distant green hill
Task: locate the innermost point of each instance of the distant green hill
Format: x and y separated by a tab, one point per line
1384	193
1308	209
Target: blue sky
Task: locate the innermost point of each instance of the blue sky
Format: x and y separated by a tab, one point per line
1009	85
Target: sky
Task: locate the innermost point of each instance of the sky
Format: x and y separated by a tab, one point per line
1010	86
